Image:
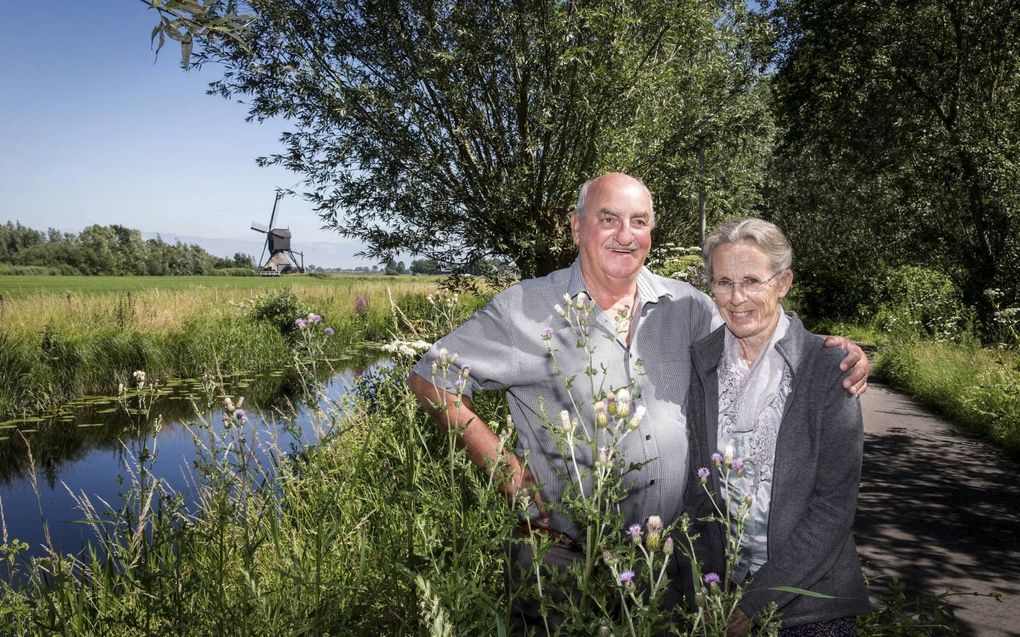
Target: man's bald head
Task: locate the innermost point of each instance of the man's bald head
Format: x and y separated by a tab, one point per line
610	180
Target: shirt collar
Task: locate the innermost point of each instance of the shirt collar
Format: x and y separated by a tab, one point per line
650	289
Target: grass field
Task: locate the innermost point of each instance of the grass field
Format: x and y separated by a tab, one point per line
63	337
16	287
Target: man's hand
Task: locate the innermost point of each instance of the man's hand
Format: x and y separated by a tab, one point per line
522	483
740	624
483	446
856	381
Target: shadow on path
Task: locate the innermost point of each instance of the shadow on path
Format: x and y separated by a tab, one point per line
939	510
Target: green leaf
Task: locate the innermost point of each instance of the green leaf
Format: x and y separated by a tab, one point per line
800	591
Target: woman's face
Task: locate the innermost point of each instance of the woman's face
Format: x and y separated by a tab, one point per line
748	315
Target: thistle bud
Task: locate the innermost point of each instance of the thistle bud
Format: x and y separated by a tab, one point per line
623	402
565	421
639	413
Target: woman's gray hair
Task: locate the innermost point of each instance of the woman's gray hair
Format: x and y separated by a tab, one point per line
766	236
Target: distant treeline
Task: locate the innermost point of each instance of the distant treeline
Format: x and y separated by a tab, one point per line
107	250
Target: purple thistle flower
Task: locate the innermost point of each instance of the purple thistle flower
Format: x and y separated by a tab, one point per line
703	474
738	465
301	323
712	579
547	333
626	577
717	457
241	415
634	531
360	304
329	331
314	318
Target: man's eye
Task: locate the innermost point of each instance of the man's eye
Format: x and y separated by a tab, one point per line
640	223
751	281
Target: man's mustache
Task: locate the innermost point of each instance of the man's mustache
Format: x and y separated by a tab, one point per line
632	246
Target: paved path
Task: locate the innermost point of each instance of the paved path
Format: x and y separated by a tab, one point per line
939	510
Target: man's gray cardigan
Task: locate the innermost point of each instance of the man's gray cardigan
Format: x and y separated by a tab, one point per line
814	489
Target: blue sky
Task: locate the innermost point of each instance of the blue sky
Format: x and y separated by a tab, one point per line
95	128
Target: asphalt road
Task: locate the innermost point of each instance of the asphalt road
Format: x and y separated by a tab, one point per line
940	511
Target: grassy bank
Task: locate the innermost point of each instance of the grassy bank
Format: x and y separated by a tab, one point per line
978	388
382	526
55	346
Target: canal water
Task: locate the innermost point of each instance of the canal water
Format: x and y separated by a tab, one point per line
91	447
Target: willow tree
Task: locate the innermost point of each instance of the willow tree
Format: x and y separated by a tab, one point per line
460	131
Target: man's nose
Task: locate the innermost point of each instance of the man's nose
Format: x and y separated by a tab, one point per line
625	234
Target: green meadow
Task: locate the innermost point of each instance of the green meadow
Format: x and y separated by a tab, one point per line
65	337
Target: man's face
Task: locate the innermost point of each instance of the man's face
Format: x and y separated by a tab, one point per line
614	233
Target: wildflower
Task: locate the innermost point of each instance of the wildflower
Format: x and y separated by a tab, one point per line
139	376
241	416
301	323
465	371
604	458
654	526
120	388
717	458
559	310
623	402
240	401
547	334
329	331
738	466
639	413
667	546
361	304
601	410
314	318
626	577
565	422
460	384
712	579
703	474
634	531
228	405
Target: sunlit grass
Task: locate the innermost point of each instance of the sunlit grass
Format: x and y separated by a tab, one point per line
56	346
978	388
82	305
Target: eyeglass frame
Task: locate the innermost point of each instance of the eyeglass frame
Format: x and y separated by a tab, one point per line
759	286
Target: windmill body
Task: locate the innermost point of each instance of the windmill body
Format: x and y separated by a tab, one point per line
282	259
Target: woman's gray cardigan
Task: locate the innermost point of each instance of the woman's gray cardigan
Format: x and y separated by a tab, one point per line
814	488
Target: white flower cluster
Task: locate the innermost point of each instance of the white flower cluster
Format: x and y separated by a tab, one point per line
410	349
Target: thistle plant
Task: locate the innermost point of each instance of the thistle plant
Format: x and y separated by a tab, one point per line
716	595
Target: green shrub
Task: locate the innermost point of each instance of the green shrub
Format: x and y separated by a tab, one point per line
279	309
37	270
915	301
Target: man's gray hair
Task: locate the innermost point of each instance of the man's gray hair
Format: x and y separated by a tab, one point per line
766	236
583	195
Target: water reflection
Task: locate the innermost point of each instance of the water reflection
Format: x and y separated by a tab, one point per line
84	448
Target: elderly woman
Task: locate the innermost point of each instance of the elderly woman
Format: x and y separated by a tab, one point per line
766	393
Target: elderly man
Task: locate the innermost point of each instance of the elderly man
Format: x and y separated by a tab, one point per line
648	323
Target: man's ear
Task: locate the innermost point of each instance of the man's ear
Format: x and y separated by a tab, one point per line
575	227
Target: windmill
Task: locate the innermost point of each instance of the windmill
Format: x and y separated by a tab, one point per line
278	244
